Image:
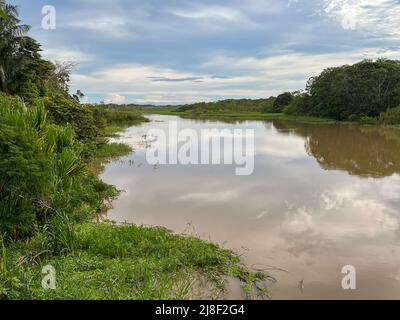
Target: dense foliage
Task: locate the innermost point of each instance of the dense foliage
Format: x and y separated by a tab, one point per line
22	70
42	173
230	105
298	105
282	101
366	92
25	73
390	117
46	137
366	88
358	92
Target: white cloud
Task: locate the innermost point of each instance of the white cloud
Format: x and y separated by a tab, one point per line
210	12
67	54
216	18
252	77
142	82
290	2
291	65
110	26
377	17
115	98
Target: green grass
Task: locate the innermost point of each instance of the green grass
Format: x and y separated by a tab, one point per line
122	262
238	116
112	150
113	130
106	152
163	111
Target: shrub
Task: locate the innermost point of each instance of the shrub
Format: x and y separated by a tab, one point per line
282	101
390	117
42	172
63	110
25	175
299	105
368	120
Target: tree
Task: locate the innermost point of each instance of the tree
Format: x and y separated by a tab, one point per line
60	77
11	38
31	75
348	92
282	101
23	71
300	104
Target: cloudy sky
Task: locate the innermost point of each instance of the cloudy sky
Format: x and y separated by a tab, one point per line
179	51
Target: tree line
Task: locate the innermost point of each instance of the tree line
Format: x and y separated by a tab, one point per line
368	92
230	105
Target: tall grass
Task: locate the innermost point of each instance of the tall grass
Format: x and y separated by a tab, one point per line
108	261
59	235
3	261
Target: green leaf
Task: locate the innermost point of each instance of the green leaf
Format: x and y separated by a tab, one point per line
3	14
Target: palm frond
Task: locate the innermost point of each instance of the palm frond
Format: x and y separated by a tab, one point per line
19	30
3	14
11	10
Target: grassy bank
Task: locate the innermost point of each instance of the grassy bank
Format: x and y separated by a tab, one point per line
106	153
238	116
105	261
244	116
113	130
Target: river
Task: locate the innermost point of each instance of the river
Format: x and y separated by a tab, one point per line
321	196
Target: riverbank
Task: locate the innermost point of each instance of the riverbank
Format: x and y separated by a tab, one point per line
108	261
105	260
237	116
244	116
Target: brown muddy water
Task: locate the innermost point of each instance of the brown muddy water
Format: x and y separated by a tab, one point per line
322	196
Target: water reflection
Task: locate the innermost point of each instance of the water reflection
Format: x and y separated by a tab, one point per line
290	213
360	150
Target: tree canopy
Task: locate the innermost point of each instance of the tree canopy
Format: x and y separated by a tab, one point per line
348	92
282	101
23	71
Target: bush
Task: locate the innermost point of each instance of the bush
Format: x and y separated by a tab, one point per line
42	172
24	166
282	101
63	110
300	105
116	116
390	117
367	120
